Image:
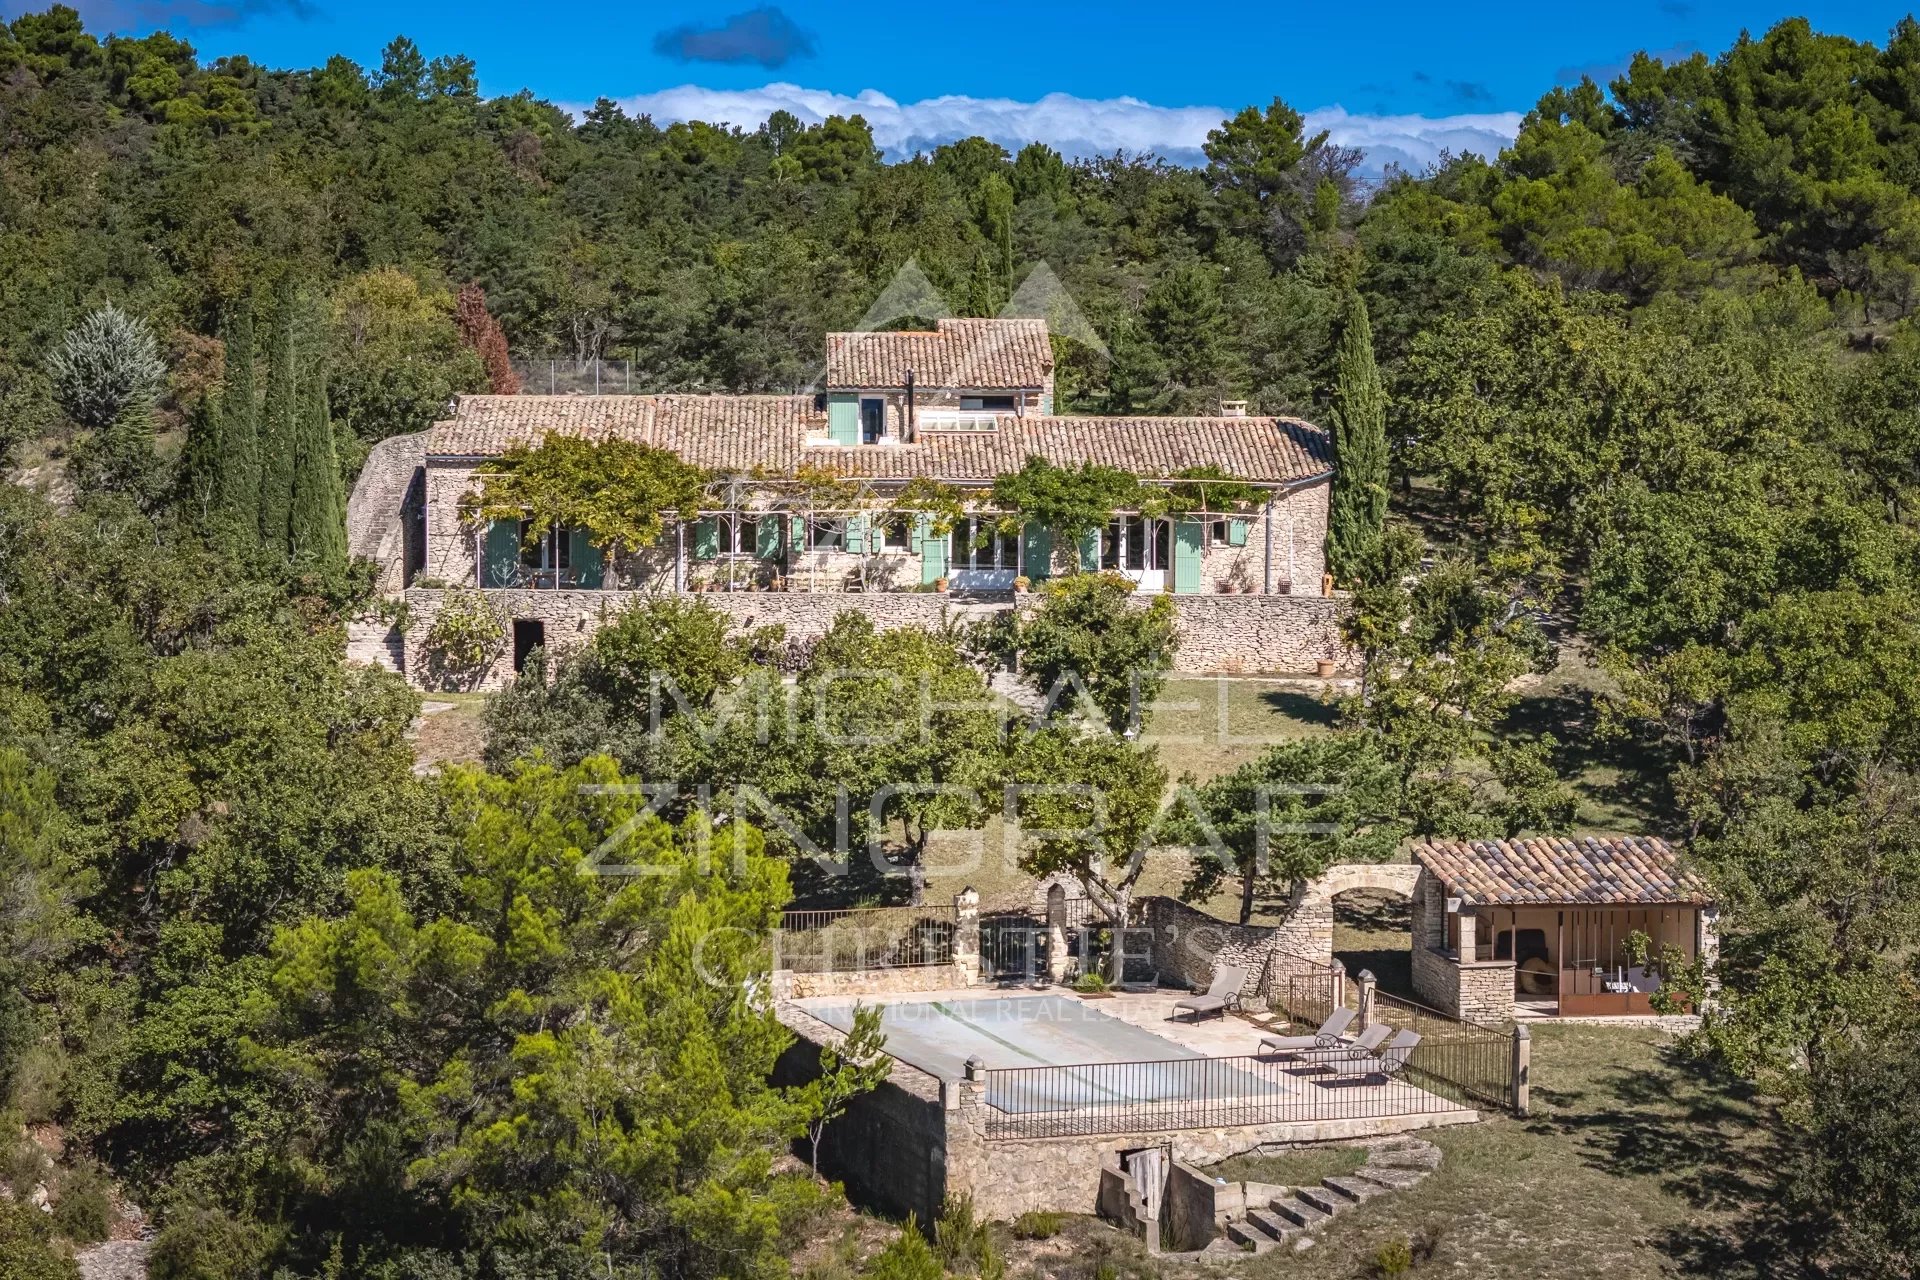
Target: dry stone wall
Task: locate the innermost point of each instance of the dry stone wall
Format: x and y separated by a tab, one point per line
1283	634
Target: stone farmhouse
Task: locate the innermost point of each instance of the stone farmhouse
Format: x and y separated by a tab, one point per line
960	405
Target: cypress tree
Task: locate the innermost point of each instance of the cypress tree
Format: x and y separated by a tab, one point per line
317	515
200	463
1358	418
279	428
237	488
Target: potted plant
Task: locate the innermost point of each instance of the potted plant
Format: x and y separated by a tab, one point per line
1022	585
1324	668
940	585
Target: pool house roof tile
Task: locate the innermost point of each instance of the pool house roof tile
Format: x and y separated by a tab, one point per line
1585	870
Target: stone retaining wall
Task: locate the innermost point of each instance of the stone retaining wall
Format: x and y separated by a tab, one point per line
1234	634
791	985
1477	991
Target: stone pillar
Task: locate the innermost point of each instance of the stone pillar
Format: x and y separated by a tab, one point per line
1522	1069
1337	985
966	935
1057	957
1367	983
1469	939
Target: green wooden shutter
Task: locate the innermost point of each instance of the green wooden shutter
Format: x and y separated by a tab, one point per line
877	533
706	538
501	565
918	533
797	528
856	534
589	570
933	553
1090	550
767	538
843	419
1236	533
1037	554
1188	537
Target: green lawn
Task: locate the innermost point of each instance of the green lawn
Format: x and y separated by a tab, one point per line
1635	1163
1209	725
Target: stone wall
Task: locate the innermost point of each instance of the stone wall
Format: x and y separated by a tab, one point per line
376	510
889	1148
1008	1177
791	985
1188	945
1217	633
1477	991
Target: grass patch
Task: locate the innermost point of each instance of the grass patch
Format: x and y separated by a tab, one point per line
1637	1163
1210	725
1302	1167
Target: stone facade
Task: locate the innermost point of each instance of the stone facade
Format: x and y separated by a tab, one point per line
1283	553
1279	634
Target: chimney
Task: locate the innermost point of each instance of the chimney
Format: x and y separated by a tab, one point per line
1233	408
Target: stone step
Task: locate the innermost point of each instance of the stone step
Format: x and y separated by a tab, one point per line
1405	1155
1391	1178
1299	1212
1351	1187
1327	1202
1249	1237
1271	1223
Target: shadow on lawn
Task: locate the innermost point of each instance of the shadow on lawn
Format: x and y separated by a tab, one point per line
1709	1141
1642	766
1304	707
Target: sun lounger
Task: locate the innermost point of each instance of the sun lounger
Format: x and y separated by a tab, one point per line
1385	1064
1331	1035
1223	993
1366	1043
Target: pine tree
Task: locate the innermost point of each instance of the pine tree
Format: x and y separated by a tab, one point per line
280	428
1358	417
317	514
237	489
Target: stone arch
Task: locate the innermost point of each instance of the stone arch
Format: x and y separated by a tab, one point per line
1308	928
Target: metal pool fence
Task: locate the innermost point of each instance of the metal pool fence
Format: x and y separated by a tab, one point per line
1469	1062
858	939
1187	1093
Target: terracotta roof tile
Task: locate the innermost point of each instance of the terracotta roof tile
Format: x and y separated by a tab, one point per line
1562	869
746	433
965	354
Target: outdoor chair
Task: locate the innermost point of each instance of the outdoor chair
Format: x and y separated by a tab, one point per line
1223	994
1386	1064
1362	1045
1331	1035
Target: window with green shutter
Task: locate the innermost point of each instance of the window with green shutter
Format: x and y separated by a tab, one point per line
1236	533
1188	537
1036	556
933	552
706	538
589	570
767	538
500	563
843	419
1090	550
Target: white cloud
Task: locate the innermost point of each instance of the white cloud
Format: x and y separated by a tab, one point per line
1076	127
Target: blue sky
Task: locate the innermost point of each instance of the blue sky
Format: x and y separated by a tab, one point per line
1405	77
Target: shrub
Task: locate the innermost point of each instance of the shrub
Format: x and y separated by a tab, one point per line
210	1244
83	1210
1090	982
463	639
25	1252
1036	1224
909	1257
1394	1258
963	1240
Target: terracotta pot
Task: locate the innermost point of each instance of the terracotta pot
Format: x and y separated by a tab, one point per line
1324	668
940	585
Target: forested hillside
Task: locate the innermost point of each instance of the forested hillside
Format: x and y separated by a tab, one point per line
1652	395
